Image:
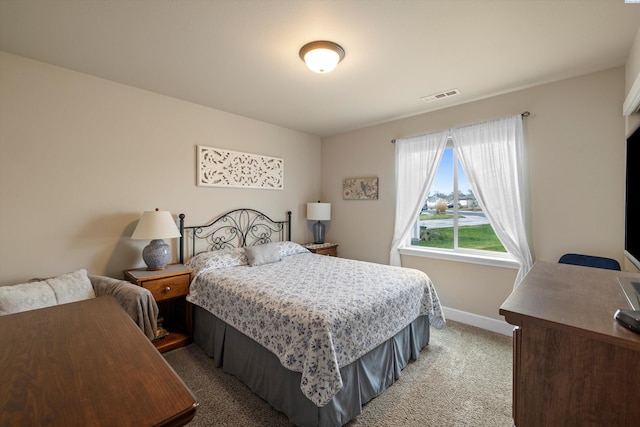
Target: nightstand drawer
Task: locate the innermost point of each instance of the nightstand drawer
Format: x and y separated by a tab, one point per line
169	287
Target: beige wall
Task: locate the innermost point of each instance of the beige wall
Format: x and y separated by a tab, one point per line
632	66
632	75
82	157
575	143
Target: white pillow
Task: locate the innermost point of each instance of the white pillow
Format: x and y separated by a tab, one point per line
72	287
218	259
290	248
263	254
25	296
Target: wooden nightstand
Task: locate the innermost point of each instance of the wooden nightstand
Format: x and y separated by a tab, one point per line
330	249
169	287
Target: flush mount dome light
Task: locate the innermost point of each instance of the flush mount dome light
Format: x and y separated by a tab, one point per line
321	56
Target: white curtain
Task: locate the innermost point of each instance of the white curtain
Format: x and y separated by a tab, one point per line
417	161
492	156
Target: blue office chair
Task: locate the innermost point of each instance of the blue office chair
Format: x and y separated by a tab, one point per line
590	261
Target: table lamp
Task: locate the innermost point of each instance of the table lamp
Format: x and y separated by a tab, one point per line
318	212
155	226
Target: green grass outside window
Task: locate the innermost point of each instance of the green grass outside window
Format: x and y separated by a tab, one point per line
480	237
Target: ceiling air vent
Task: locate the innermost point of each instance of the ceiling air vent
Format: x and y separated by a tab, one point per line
441	95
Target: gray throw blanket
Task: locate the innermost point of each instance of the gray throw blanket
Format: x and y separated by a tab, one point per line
137	301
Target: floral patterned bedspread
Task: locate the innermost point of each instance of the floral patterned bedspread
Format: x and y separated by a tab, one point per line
316	313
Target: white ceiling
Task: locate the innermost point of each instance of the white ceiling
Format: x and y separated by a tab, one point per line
241	56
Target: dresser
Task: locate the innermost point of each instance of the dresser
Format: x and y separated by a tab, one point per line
86	364
573	364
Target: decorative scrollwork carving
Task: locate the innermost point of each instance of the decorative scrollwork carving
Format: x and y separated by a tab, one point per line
225	168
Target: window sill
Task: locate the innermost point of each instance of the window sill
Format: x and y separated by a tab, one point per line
504	261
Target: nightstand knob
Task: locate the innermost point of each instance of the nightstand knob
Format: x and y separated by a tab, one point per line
167	290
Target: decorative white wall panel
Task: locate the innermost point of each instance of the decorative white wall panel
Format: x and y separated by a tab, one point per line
225	168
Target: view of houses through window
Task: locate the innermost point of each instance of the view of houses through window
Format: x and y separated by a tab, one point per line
451	217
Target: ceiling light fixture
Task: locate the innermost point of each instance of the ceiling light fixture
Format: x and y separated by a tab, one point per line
321	56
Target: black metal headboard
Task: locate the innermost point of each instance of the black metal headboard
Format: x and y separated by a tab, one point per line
235	229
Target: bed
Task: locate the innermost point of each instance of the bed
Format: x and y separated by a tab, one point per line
315	336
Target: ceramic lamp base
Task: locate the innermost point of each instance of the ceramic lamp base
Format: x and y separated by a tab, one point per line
318	232
156	255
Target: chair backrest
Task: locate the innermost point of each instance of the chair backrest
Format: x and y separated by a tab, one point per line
590	261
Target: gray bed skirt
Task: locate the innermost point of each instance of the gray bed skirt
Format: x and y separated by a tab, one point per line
262	372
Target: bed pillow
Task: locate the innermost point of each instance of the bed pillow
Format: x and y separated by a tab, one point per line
290	248
72	287
263	254
222	258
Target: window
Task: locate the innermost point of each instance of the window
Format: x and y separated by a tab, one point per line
491	157
451	217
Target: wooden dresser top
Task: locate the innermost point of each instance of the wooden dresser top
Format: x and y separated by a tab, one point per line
86	363
581	299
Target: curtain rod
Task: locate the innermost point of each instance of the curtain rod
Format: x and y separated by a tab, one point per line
523	115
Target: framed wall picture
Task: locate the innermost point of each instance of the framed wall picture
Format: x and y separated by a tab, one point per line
225	168
360	189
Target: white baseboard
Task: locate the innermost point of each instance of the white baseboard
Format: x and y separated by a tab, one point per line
494	325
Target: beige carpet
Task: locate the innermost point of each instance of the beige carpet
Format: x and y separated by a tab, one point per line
462	378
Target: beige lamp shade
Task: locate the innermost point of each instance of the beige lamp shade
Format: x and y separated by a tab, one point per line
156	225
319	211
